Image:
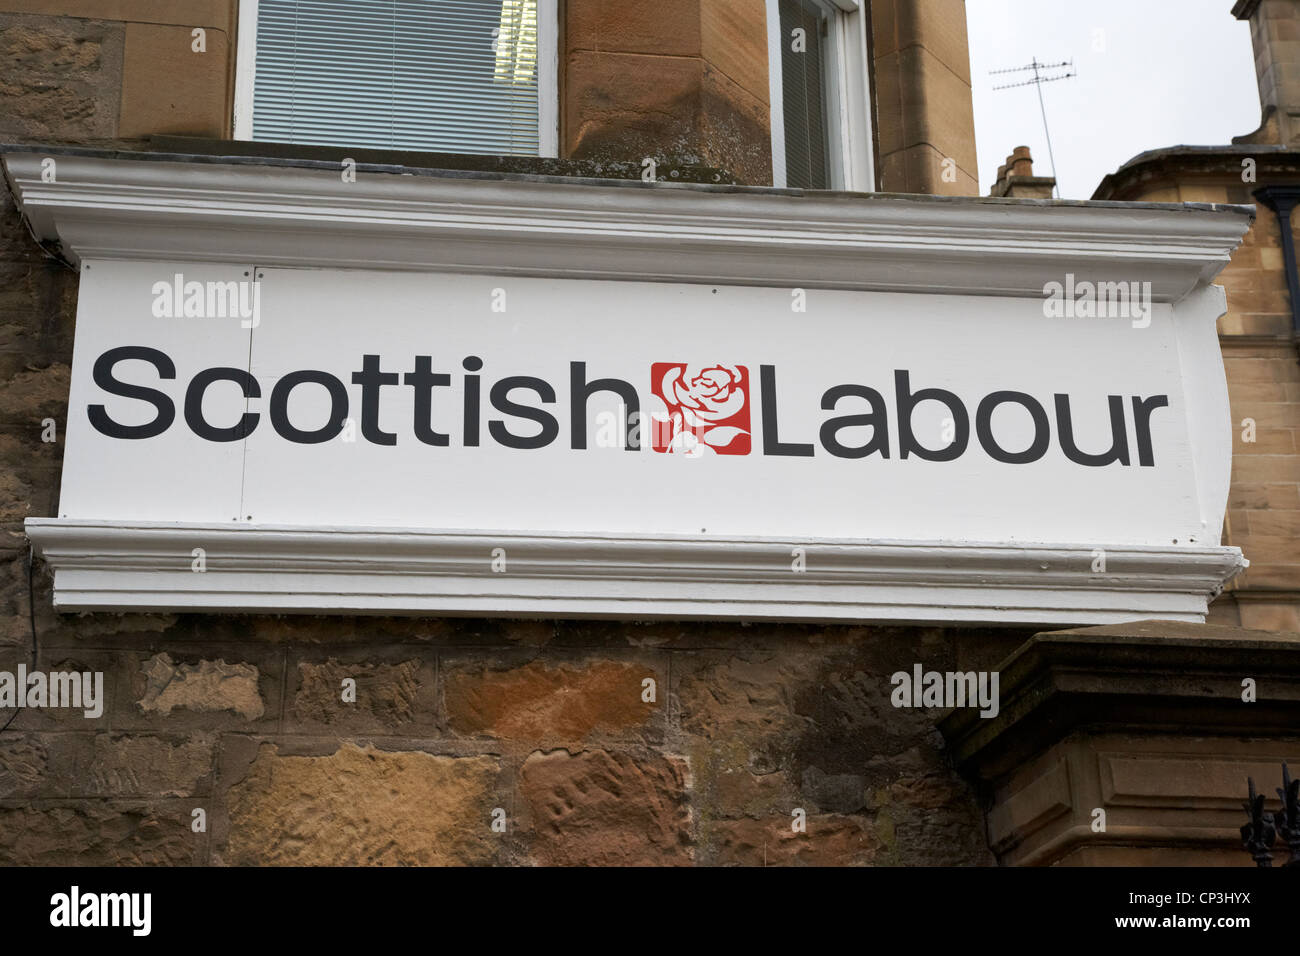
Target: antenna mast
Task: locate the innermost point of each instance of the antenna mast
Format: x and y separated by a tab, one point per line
1038	81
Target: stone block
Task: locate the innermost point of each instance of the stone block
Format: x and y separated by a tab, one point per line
829	840
61	78
100	833
167	87
96	765
362	807
602	808
544	703
397	696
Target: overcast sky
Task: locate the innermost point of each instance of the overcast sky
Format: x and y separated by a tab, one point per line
1151	73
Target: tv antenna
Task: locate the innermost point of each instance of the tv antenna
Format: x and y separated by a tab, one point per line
1039	69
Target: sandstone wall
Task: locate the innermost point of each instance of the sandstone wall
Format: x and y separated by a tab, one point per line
1263	371
454	719
924	113
547	725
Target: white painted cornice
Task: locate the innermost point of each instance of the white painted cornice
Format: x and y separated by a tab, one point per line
149	566
272	213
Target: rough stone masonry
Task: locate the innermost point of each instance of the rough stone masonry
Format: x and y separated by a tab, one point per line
453	720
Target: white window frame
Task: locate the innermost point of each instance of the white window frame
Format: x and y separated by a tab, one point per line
548	75
848	81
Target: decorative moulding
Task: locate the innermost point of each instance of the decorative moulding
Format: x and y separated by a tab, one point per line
156	208
149	567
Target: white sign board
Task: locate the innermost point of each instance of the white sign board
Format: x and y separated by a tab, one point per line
447	396
393	400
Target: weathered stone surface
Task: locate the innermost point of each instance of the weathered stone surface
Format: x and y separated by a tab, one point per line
928	816
205	686
168	87
742	712
62	630
54	660
734	129
147	766
16	494
922	89
1263	615
598	808
363	807
102	765
830	840
310	630
733	39
99	833
834	792
35	394
15	624
24	765
60	78
730	779
544	703
682	83
670	28
388	696
771	730
748	697
741	793
849	716
624	107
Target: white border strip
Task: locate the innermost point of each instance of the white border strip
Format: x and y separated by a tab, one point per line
548	78
104	565
245	68
775	94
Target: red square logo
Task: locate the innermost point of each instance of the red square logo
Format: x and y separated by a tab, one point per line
699	410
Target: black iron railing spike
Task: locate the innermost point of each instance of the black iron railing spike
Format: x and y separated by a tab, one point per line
1288	818
1258	835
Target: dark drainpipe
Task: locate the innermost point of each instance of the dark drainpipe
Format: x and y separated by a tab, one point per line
1282	199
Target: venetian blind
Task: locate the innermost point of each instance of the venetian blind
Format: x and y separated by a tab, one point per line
803	94
438	75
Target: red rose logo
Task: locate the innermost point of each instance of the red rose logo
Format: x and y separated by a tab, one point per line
699	410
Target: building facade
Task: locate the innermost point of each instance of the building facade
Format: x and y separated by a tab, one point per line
311	658
1258	333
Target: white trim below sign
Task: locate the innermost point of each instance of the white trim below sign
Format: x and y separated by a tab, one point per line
152	567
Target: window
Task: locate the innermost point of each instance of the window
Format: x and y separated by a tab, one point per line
820	94
464	76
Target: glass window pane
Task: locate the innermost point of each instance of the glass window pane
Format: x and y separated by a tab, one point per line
803	80
452	76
